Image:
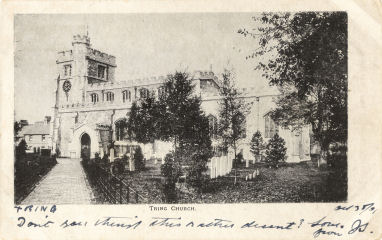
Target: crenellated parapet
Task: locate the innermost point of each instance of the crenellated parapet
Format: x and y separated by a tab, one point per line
205	75
81	39
102	57
64	56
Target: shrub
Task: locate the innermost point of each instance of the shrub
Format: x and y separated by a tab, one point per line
257	144
138	159
171	171
276	150
20	149
195	176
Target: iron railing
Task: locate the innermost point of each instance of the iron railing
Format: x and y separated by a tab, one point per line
112	189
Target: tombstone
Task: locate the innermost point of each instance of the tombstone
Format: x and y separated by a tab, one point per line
131	164
254	174
111	155
257	172
155	161
246	178
250	176
247	163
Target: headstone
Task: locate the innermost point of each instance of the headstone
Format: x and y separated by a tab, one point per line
155	161
131	164
247	163
111	155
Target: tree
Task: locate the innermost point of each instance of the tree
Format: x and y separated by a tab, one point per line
175	117
276	150
232	111
141	125
256	144
305	55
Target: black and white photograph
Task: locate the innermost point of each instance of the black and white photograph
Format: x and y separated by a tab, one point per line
181	108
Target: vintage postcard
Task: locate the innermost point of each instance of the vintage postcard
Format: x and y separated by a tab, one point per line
147	120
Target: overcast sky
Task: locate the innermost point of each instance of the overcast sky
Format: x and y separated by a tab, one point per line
145	45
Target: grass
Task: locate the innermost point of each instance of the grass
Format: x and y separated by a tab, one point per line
302	182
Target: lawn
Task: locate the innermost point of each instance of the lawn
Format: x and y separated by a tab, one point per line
302	182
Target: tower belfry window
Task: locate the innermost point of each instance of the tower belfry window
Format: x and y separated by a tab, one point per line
102	72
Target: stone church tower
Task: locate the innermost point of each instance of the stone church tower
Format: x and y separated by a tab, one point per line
78	69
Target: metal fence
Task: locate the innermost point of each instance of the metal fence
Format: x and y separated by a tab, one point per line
111	188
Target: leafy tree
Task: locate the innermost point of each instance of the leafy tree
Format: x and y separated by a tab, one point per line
138	159
141	125
176	117
276	150
232	111
256	144
305	55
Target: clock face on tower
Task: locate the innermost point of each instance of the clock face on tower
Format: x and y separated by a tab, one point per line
66	86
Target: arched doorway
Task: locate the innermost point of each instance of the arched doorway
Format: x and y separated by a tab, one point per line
85	146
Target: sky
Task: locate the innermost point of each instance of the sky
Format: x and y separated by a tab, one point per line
144	45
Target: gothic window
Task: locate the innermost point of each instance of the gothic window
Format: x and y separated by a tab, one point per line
161	92
144	93
68	70
271	127
120	130
126	96
94	97
102	72
109	96
213	126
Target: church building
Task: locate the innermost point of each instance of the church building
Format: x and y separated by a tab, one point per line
90	104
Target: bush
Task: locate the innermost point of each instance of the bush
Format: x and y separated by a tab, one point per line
171	171
276	150
138	159
257	144
195	176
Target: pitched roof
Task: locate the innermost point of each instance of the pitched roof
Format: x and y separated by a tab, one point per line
37	128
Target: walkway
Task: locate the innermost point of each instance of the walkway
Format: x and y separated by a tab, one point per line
64	184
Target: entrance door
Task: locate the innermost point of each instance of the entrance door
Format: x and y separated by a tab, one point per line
85	146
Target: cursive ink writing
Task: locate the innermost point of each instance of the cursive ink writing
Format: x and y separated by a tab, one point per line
165	222
112	222
253	224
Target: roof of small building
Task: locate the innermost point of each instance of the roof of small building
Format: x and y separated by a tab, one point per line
38	128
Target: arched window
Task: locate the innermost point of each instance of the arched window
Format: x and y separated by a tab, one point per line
213	126
271	127
144	93
109	96
161	92
126	96
120	130
94	97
